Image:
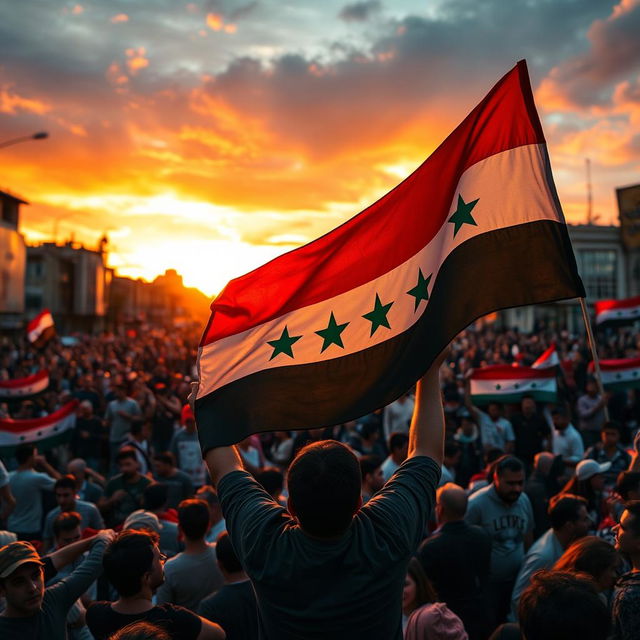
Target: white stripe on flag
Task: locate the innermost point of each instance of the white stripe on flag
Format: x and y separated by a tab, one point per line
630	313
510	386
36	434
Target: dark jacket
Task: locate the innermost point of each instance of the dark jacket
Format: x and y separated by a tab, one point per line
626	607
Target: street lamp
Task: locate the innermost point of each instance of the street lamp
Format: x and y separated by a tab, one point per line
40	135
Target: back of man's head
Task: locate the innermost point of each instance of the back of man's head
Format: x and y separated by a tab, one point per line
272	480
368	464
226	556
155	496
559	605
628	485
193	518
324	488
24	452
127	558
397	441
564	508
452	502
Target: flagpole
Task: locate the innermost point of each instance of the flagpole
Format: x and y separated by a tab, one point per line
594	353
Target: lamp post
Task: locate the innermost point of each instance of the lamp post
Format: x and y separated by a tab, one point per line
40	135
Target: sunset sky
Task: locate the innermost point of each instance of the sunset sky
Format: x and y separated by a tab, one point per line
210	136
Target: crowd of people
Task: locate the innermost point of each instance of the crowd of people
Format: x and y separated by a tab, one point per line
526	526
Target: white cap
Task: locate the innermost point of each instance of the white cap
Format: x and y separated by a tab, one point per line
586	469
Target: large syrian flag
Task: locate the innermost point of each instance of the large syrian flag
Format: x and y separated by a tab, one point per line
346	324
617	312
504	383
22	387
41	328
619	374
50	431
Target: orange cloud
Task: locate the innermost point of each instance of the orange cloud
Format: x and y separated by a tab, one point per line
214	21
77	10
120	17
136	59
115	75
11	103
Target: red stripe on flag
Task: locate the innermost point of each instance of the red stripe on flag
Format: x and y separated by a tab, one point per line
36	321
616	364
390	231
16	426
608	305
507	372
23	382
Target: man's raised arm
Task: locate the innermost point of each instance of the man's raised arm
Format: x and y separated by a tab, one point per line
426	435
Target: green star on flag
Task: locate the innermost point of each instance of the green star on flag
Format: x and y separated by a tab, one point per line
331	335
378	316
462	215
421	290
283	344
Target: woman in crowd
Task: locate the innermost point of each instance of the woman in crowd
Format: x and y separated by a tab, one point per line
588	482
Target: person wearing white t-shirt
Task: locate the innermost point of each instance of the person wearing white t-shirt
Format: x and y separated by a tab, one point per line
397	415
496	432
398	448
567	441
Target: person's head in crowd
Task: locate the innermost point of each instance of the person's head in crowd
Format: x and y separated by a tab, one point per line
227	559
528	406
494	409
508	478
452	454
85	409
66	528
272	481
120	391
78	469
371	470
451	503
569	517
628	485
628	532
155	497
324	483
558	605
21	579
398	447
418	589
25	454
133	564
591	387
592	473
542	463
193	519
491	456
127	462
468	424
65	492
142	520
369	432
593	556
610	434
165	464
141	630
210	496
141	431
561	418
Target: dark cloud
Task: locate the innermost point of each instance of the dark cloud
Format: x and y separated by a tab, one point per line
359	11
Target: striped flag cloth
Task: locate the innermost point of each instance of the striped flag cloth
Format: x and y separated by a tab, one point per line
504	383
41	328
50	431
346	324
21	387
619	374
617	312
548	359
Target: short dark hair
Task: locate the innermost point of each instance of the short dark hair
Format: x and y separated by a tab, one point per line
166	457
24	452
368	429
209	494
627	481
126	452
324	487
561	604
226	555
368	464
271	479
506	463
141	630
194	516
633	507
155	496
127	558
66	521
611	425
397	440
65	482
564	508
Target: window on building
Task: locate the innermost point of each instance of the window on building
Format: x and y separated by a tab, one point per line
599	271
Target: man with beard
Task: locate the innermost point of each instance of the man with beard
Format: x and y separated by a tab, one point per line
133	564
504	511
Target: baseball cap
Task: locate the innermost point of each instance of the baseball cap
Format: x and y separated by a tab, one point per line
586	469
15	554
142	519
